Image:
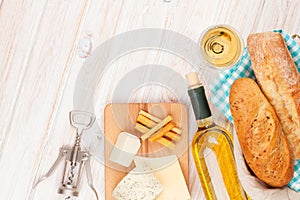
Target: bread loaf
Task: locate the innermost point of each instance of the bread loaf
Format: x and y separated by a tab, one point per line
279	80
263	143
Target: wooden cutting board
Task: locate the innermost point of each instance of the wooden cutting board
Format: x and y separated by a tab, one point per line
122	117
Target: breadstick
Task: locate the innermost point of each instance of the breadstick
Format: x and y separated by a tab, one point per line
141	128
157	127
164	141
161	132
145	121
172	136
157	120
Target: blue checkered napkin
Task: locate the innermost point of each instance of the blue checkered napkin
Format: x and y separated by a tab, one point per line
221	87
295	182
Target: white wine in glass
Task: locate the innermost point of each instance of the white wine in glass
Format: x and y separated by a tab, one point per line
221	46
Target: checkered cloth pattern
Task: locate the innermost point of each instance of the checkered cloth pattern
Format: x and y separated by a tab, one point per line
221	87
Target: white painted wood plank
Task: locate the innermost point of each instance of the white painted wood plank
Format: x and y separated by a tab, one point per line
291	21
40	93
279	14
19	25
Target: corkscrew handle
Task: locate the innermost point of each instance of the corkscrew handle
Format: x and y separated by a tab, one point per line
81	120
62	153
90	178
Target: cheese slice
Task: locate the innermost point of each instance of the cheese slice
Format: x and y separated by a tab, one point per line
136	186
125	149
168	172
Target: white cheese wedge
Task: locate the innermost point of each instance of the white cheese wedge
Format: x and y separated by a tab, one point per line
168	172
125	149
137	186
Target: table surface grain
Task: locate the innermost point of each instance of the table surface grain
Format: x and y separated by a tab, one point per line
43	45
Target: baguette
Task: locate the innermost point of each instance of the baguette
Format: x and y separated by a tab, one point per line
263	143
279	80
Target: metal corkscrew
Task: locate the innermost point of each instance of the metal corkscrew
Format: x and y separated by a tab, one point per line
75	158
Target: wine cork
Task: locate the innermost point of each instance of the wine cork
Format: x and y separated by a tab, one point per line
193	79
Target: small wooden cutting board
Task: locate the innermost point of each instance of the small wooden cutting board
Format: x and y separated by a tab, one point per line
122	117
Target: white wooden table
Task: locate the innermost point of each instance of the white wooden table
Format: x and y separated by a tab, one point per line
43	46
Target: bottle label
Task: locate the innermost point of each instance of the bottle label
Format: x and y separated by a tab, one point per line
199	103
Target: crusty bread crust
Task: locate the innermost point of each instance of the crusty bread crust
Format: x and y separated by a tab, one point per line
279	80
264	145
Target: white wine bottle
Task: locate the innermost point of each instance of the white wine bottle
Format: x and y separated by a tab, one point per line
212	139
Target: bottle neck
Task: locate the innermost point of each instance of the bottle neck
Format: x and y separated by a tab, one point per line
205	123
199	103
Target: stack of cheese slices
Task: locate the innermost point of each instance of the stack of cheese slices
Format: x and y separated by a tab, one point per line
266	115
